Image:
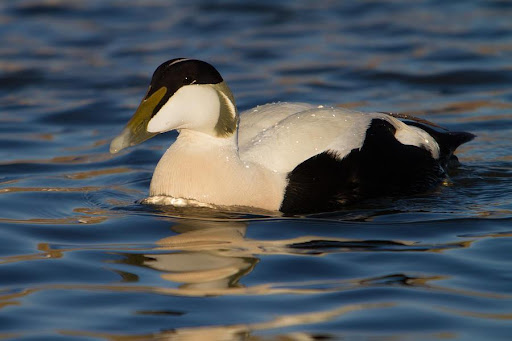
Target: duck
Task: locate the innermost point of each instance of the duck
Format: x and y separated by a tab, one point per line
287	156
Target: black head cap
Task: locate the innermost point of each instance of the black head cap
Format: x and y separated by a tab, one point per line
178	72
175	73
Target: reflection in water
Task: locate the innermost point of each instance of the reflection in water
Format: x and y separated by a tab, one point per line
198	258
244	331
210	257
205	258
204	262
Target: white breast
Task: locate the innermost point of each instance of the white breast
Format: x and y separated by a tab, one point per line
208	170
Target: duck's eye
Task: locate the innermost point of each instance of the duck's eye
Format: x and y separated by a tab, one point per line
187	80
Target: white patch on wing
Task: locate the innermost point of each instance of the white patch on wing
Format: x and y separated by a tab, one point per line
414	136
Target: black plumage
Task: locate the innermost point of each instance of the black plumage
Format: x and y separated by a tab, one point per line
382	166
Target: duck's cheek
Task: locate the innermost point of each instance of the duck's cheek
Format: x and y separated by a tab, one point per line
193	107
162	123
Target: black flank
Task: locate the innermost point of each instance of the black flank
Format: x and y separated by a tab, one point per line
381	167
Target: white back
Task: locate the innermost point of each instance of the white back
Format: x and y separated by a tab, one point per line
284	138
294	139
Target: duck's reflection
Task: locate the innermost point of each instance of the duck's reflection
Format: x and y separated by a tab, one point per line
239	332
211	257
200	256
206	259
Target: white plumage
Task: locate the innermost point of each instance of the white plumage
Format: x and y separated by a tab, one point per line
279	136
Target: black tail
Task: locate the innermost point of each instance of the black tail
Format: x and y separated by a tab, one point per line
448	141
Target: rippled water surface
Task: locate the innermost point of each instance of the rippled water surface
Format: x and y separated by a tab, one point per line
82	259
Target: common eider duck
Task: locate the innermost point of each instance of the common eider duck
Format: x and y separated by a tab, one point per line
288	157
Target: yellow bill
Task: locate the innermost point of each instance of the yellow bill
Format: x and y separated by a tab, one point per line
135	131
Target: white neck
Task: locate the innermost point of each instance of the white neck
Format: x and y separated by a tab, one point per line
208	169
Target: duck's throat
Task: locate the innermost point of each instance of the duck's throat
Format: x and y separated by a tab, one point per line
196	166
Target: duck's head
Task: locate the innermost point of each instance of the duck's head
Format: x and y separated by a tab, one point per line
183	94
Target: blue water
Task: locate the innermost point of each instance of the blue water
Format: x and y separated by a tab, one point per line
82	259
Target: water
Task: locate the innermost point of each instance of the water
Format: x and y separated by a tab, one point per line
83	260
